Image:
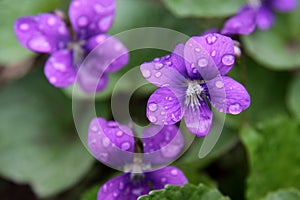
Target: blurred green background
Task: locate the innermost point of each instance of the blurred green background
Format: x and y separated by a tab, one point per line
41	156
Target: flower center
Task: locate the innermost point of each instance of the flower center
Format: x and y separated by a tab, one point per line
193	93
78	52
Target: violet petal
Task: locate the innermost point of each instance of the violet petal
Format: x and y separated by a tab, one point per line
198	119
91	17
112	53
162	144
123	188
211	55
236	100
59	69
110	142
265	18
284	5
167	175
164	106
44	33
243	23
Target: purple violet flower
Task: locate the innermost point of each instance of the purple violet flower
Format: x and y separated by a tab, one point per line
256	13
113	144
90	19
191	75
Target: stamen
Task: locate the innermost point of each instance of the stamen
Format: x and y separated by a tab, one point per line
78	52
193	94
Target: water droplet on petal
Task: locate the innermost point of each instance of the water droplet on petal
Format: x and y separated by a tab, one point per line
94	128
168	56
213	53
158	65
146	73
163	179
24	27
99	8
166	107
202	62
152	119
106	142
112	124
51	21
104	188
170	98
158	74
162	112
59	66
235	108
228	59
156	59
170	151
197	49
174	172
104	23
211	39
125	146
115	194
219	84
152	107
119	133
39	43
53	80
82	21
103	156
169	63
195	71
121	185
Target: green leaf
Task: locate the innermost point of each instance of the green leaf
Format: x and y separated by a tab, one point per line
38	141
293	97
11	50
273	157
91	193
188	191
204	8
287	194
277	48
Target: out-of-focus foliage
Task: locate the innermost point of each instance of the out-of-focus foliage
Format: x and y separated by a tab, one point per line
204	8
293	98
273	157
287	194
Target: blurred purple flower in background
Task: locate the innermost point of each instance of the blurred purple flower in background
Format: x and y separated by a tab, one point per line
90	19
193	73
257	13
114	144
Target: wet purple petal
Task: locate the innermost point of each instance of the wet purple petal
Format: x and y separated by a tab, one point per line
211	55
167	175
44	33
112	53
92	83
164	71
110	142
123	188
176	60
284	5
265	18
164	106
91	17
242	23
199	119
59	69
162	144
237	98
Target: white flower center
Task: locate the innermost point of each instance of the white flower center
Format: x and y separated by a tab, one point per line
193	94
254	3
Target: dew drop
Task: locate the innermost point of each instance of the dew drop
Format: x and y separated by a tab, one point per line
59	66
53	80
119	133
228	59
158	74
168	56
103	156
121	185
39	43
197	49
112	124
174	172
104	23
170	151
213	53
158	65
170	98
152	107
82	21
163	179
162	112
94	128
146	73
156	59
219	84
152	119
51	21
115	194
104	188
169	63
24	27
62	30
98	8
166	107
125	146
211	39
106	142
202	62
195	71
235	108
